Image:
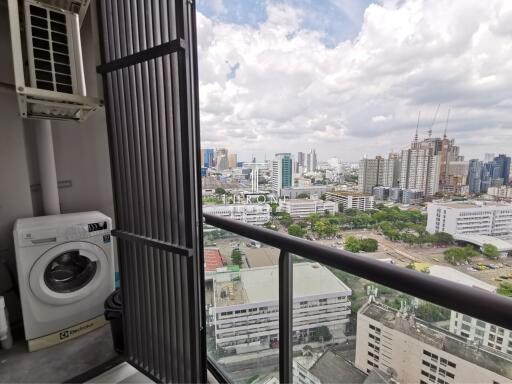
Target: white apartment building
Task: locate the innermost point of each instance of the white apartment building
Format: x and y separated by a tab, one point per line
245	311
257	214
503	192
352	200
470	217
301	208
413	351
420	169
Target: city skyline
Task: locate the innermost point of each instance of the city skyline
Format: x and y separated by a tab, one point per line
361	90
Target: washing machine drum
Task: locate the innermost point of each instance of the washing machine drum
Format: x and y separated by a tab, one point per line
68	272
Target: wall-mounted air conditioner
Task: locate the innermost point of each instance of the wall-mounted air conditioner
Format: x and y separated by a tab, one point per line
48	64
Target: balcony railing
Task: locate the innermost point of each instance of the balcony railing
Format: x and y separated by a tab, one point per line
474	302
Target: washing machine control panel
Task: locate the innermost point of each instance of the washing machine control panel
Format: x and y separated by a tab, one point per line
71	233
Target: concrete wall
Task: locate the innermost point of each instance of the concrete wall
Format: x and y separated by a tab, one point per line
81	152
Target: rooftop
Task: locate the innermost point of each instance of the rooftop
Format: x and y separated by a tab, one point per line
469	204
456	276
212	259
440	339
331	368
480	240
260	285
348	193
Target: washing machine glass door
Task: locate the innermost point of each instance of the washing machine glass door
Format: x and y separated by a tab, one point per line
68	272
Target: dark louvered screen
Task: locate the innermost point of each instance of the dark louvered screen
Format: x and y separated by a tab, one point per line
150	79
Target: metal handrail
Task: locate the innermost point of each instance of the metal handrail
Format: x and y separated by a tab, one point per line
475	302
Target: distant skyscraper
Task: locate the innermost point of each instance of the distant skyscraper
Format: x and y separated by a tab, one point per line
208	157
503	163
301	158
222	163
311	161
391	171
370	174
474	176
282	172
421	166
232	160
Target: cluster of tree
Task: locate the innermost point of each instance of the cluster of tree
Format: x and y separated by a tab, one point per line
296	230
236	257
285	219
505	289
322	334
490	251
355	245
424	310
460	254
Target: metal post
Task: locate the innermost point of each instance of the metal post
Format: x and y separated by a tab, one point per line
285	317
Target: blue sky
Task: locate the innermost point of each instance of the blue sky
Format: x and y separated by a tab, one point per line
337	20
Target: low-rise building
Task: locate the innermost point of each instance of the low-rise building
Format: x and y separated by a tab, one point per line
301	208
312	191
352	200
414	351
504	192
413	196
470	217
381	193
257	214
396	194
246	308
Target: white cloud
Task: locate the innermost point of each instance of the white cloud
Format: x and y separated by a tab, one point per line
291	92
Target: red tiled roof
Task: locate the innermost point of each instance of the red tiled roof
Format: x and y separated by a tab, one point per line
212	259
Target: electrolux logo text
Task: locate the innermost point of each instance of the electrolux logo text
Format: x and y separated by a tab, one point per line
70	332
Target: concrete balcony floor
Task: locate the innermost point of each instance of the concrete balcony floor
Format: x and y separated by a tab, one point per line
59	363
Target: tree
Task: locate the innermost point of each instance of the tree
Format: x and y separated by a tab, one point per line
303	195
236	257
273	206
286	219
220	191
431	312
442	238
296	230
459	254
323	197
505	289
369	245
352	244
490	251
323	333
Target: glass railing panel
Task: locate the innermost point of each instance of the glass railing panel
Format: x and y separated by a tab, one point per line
241	290
348	329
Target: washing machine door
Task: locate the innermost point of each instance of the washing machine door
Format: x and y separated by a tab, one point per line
68	272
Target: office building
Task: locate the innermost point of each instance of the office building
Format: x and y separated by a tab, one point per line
222	163
256	214
474	176
301	208
282	172
311	161
503	168
371	173
245	312
208	157
413	196
232	160
352	200
414	351
381	193
470	217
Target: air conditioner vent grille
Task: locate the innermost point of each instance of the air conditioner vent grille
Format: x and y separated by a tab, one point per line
50	45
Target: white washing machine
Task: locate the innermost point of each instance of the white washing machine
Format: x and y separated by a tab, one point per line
66	271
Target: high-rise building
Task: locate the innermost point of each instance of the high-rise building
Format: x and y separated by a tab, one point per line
420	169
311	161
232	160
474	176
282	172
503	165
301	158
208	157
391	171
371	173
222	162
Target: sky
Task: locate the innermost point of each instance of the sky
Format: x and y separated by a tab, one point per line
349	77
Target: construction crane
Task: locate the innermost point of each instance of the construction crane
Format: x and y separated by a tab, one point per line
433	121
446	124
